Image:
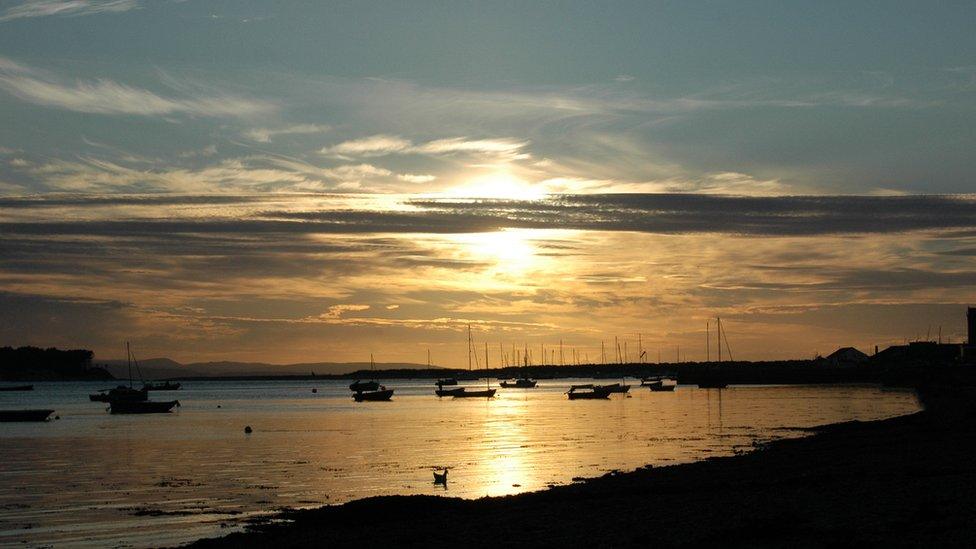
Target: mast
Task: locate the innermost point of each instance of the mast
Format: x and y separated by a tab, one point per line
718	334
487	379
428	358
372	367
708	342
469	347
640	348
128	362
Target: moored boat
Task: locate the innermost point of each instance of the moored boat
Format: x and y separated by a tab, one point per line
144	407
662	387
120	393
581	392
382	393
17	388
477	393
448	392
165	386
25	415
613	388
521	383
360	386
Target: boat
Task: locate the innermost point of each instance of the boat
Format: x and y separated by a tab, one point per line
487	392
120	393
370	390
448	381
165	386
580	392
448	392
711	380
520	383
381	393
17	388
25	415
143	407
614	388
662	387
478	393
360	386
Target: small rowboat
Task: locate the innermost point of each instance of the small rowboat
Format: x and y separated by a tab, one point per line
25	415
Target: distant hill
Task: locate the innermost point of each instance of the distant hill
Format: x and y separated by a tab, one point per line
164	368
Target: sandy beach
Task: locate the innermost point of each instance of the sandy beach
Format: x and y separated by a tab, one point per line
906	481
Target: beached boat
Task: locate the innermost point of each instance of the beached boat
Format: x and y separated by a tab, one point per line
17	388
25	415
165	386
145	407
382	393
580	392
613	388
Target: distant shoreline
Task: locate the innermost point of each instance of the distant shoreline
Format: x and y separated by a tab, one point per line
908	480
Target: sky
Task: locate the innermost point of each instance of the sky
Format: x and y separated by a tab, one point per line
310	181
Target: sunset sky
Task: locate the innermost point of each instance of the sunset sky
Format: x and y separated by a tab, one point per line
318	181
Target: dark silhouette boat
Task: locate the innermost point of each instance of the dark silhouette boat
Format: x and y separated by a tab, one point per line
144	407
520	383
165	386
371	390
448	392
17	388
477	393
587	392
24	415
613	388
382	393
662	387
360	386
120	393
487	392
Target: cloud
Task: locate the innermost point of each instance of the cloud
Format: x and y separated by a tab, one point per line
265	135
103	96
416	178
382	145
70	8
336	311
645	213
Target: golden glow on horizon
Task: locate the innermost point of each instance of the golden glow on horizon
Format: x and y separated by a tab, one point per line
498	185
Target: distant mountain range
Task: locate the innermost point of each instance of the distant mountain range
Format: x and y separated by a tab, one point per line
164	368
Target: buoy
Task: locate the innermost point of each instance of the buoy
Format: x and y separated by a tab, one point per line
57	417
315	390
247	429
218	405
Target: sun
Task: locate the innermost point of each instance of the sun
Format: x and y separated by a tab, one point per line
499	185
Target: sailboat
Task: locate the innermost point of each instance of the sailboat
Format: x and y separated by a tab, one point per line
122	393
522	382
487	392
588	392
709	379
376	393
133	405
362	386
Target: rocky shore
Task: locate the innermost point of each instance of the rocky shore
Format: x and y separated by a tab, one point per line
907	481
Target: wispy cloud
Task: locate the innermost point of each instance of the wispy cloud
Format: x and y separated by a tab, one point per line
104	96
382	145
265	135
66	8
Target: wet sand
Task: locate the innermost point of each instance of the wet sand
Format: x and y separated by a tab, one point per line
906	481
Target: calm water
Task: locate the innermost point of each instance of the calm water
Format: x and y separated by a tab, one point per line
95	479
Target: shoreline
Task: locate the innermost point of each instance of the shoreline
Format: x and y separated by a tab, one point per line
908	480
